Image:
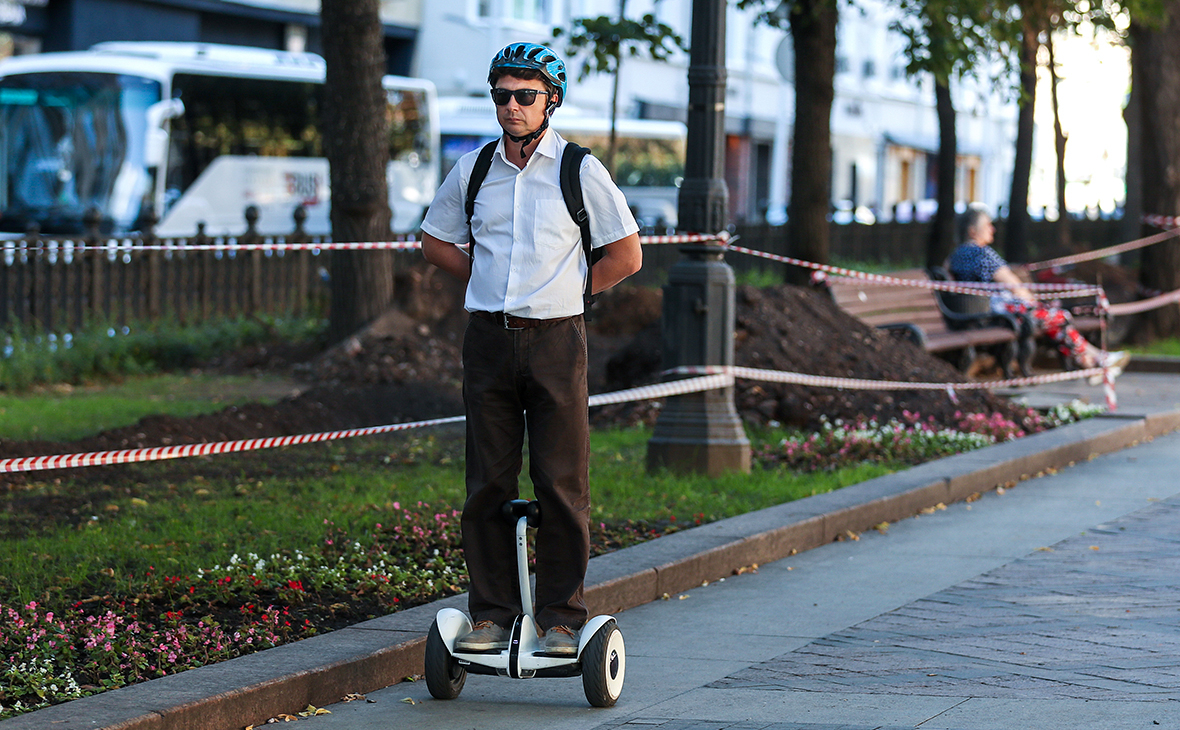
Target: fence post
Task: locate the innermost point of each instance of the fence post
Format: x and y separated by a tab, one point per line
92	311
204	274
249	238
699	432
303	261
154	273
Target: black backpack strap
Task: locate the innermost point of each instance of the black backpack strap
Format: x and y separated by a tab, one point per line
571	190
483	163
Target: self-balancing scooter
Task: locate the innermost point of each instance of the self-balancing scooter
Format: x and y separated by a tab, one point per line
600	660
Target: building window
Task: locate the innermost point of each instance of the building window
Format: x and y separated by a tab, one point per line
484	8
533	11
868	69
843	65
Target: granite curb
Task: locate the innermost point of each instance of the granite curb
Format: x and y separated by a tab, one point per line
383	651
1153	364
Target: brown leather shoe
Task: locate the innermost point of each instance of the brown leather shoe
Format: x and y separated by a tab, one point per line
561	641
486	636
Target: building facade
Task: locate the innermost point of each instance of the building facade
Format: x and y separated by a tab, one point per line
31	26
884	128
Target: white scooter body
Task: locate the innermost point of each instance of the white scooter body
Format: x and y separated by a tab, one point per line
525	657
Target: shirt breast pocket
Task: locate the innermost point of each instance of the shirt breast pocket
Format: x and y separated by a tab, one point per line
551	224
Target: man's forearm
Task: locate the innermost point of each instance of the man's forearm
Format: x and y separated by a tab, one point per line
619	260
447	256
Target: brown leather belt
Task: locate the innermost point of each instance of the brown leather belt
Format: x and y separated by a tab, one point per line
509	322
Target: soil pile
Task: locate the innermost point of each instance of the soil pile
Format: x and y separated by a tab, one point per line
800	330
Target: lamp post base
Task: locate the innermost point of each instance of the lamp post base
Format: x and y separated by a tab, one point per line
699	433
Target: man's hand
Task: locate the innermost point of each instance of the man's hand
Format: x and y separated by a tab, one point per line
619	260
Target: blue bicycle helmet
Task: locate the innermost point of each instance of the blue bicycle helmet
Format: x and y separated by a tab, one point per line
535	57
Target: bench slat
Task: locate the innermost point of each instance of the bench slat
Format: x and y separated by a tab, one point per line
892	305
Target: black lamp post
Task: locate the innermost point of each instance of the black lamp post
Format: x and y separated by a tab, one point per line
701	432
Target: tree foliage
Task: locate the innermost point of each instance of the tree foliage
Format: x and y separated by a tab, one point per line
606	40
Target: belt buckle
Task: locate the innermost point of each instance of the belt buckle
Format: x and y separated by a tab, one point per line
504	322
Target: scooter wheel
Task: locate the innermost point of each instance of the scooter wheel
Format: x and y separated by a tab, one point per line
444	676
604	661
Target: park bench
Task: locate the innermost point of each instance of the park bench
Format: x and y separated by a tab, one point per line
930	321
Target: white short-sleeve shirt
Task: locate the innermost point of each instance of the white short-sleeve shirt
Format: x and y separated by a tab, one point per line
528	259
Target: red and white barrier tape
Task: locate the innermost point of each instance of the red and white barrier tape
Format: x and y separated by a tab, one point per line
160	453
1102	253
1064	289
409	244
180	451
1144	305
686	238
824	381
1162	221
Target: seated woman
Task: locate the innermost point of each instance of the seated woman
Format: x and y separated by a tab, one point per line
975	260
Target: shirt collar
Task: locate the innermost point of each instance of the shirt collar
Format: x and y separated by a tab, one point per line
551	144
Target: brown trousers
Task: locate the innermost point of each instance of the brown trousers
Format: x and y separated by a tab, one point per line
516	382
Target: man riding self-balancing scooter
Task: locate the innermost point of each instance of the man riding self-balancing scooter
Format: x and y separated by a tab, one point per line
548	229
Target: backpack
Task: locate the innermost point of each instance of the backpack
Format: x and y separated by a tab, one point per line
571	191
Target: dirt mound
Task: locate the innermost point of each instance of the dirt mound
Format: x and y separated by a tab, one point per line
800	330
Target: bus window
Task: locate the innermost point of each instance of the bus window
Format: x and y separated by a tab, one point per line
409	127
72	141
240	116
640	161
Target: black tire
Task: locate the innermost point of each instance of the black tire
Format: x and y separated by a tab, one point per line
603	666
444	676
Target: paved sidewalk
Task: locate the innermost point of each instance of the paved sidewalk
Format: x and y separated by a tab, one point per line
1053	605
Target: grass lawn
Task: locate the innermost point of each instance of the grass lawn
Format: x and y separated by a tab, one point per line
1166	346
188	515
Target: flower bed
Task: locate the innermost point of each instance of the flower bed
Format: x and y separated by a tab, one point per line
162	624
912	440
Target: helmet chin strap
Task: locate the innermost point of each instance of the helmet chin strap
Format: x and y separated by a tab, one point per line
532	136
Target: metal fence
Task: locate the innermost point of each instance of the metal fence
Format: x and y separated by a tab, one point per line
64	284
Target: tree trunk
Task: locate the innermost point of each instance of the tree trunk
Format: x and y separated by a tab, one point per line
942	233
1016	232
1132	223
356	140
813	30
1064	240
1156	61
613	146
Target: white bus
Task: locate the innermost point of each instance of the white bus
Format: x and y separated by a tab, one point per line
196	132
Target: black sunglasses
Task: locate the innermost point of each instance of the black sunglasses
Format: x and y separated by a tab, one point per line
524	97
